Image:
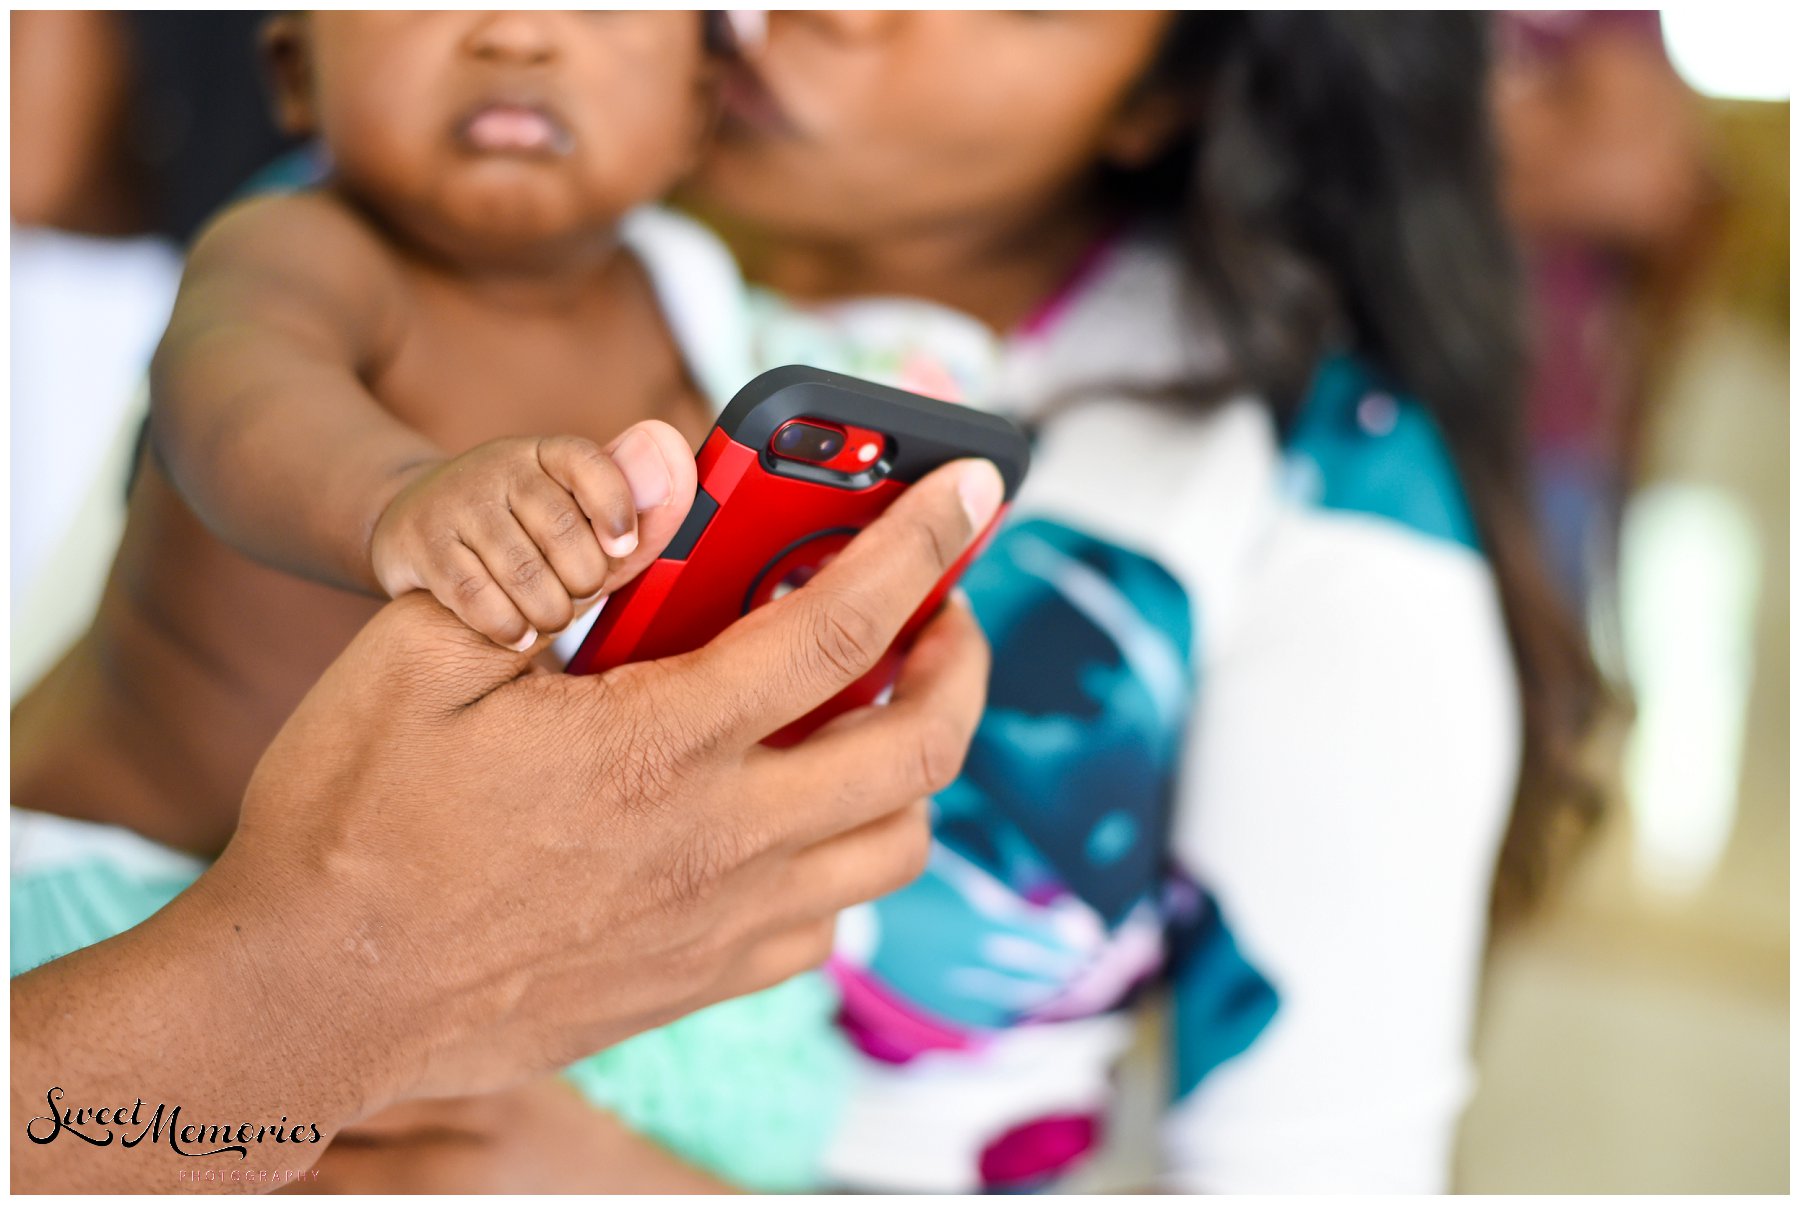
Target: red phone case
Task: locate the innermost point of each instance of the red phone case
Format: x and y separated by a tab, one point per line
761	523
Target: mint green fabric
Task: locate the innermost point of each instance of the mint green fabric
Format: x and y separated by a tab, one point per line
58	910
749	1090
746	1090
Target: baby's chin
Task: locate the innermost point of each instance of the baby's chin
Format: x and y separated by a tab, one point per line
495	220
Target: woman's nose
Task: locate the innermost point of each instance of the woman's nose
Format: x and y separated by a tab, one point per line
853	25
513	37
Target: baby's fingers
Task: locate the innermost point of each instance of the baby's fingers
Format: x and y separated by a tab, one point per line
560	528
601	488
515	561
649	469
641	485
659	465
460	581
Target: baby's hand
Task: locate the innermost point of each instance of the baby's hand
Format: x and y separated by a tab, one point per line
518	534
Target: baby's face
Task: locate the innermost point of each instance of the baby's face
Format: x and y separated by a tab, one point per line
489	136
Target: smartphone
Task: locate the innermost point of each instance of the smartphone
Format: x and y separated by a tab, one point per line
799	462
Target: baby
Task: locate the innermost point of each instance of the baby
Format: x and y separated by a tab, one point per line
463	267
444	368
354	384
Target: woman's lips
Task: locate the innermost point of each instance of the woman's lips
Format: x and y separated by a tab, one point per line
748	100
509	128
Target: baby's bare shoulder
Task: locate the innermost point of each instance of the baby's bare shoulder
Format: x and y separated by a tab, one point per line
295	257
305	230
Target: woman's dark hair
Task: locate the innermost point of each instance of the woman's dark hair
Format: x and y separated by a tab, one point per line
1339	190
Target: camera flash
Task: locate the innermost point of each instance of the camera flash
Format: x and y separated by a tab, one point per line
868	452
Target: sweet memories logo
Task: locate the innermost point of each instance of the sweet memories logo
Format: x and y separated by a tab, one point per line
99	1127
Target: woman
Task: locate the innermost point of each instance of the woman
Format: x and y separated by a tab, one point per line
1268	615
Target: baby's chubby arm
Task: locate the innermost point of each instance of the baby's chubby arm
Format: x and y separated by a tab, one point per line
258	410
261	417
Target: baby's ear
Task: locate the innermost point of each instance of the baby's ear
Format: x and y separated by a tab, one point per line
287	54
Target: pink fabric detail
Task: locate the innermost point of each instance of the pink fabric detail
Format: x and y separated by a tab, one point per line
886	1028
1049	312
1132	955
1038	1149
922	375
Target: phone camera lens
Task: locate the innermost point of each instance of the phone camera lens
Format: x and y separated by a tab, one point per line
813	442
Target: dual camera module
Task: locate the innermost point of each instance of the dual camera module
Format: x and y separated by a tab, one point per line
802	440
839	448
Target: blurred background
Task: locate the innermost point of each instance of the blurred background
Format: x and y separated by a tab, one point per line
1634	1036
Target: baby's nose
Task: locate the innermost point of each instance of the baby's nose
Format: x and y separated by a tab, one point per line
516	37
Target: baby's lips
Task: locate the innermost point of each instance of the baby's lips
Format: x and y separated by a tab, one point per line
515	128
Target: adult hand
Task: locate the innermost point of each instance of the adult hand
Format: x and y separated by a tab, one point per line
455	870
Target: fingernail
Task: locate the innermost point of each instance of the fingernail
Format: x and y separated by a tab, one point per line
645	471
524	642
980	490
619	547
960	597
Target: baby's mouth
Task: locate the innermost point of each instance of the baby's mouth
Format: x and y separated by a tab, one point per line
511	128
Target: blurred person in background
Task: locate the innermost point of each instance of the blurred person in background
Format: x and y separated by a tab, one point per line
1609	179
1604	176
